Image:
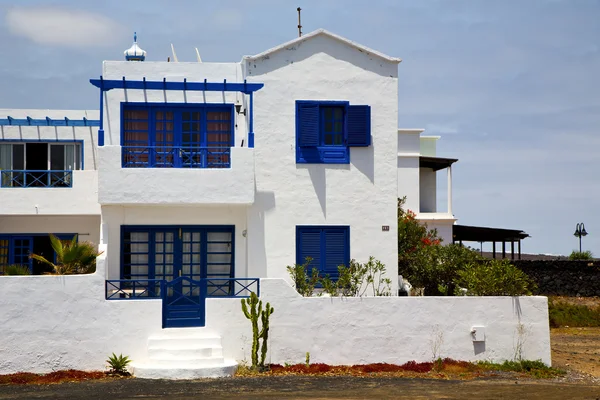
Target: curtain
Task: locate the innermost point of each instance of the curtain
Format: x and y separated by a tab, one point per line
6	163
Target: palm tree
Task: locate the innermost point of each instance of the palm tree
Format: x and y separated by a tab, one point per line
71	257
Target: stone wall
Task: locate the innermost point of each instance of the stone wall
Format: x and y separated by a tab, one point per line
563	277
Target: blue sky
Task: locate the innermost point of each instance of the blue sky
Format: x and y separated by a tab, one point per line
513	87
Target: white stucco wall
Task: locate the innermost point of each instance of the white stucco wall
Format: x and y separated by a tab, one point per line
80	329
408	167
443	222
177	186
115	216
361	194
87	226
427	190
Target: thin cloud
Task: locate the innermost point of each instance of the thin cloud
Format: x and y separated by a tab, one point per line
61	27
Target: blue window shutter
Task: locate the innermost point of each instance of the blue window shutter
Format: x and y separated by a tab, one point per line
307	123
308	244
359	126
337	249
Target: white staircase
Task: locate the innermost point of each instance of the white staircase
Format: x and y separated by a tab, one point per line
184	353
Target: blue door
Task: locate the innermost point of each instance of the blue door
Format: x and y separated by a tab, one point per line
22	247
190	260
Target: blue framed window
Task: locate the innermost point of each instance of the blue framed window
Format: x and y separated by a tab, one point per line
176	135
325	130
168	252
328	246
39	164
15	249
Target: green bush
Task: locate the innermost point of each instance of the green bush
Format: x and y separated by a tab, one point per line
493	278
17	270
581	255
118	364
303	282
571	315
436	268
535	368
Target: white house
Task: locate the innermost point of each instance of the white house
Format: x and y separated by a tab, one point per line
201	182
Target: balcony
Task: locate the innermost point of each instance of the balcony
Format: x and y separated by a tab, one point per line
175	175
37	179
49	192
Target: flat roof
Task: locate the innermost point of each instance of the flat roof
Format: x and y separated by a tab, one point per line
483	234
436	163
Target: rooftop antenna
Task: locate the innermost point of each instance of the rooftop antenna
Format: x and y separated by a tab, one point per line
299	23
198	55
174	55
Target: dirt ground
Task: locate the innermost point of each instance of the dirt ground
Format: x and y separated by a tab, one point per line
575	349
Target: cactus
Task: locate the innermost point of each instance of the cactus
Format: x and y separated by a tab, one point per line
264	334
252	308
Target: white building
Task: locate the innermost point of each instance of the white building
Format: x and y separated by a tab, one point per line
196	179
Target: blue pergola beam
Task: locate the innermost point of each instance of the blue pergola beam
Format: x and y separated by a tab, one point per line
28	121
205	86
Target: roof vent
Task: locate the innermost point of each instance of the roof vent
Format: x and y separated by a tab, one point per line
134	53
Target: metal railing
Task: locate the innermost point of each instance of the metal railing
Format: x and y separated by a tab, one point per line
126	289
36	178
130	289
176	157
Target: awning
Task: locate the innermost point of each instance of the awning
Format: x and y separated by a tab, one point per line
436	163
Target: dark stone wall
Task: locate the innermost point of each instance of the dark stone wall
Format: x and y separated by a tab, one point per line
563	277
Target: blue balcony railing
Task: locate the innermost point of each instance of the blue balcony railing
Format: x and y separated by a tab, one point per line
36	178
127	289
176	157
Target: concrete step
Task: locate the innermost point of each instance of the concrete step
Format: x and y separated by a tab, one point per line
187	352
184	342
189	362
158	371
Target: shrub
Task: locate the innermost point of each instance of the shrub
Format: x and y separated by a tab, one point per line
303	283
494	278
17	270
118	364
436	268
581	255
71	257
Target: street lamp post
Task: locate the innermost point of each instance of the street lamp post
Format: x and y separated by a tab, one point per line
579	232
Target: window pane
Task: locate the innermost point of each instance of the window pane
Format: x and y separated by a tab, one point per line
328	112
338	112
57	157
338	138
18	156
328	138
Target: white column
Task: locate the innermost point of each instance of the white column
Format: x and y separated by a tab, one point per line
449	189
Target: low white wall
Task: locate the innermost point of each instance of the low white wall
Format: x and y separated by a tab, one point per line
192	186
87	226
59	322
81	199
385	329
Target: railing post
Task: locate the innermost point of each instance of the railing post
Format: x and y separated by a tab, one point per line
251	127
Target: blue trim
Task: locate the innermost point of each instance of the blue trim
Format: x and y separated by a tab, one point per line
245	87
36	179
251	127
28	121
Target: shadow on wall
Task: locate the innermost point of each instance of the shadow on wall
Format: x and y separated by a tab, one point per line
363	159
322	44
318	177
263	202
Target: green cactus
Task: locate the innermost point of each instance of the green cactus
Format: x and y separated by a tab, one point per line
264	334
252	308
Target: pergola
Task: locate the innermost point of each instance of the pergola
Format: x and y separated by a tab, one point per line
464	233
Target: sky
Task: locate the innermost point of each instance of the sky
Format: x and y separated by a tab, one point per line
512	87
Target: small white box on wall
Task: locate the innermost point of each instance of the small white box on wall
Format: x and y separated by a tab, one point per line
478	333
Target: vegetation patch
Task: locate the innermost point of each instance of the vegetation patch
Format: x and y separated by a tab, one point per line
71	375
441	368
564	314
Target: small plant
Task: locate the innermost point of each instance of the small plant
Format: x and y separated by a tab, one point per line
118	364
307	359
357	280
253	310
573	315
17	270
581	255
303	282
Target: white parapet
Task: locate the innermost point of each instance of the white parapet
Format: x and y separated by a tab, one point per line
175	186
